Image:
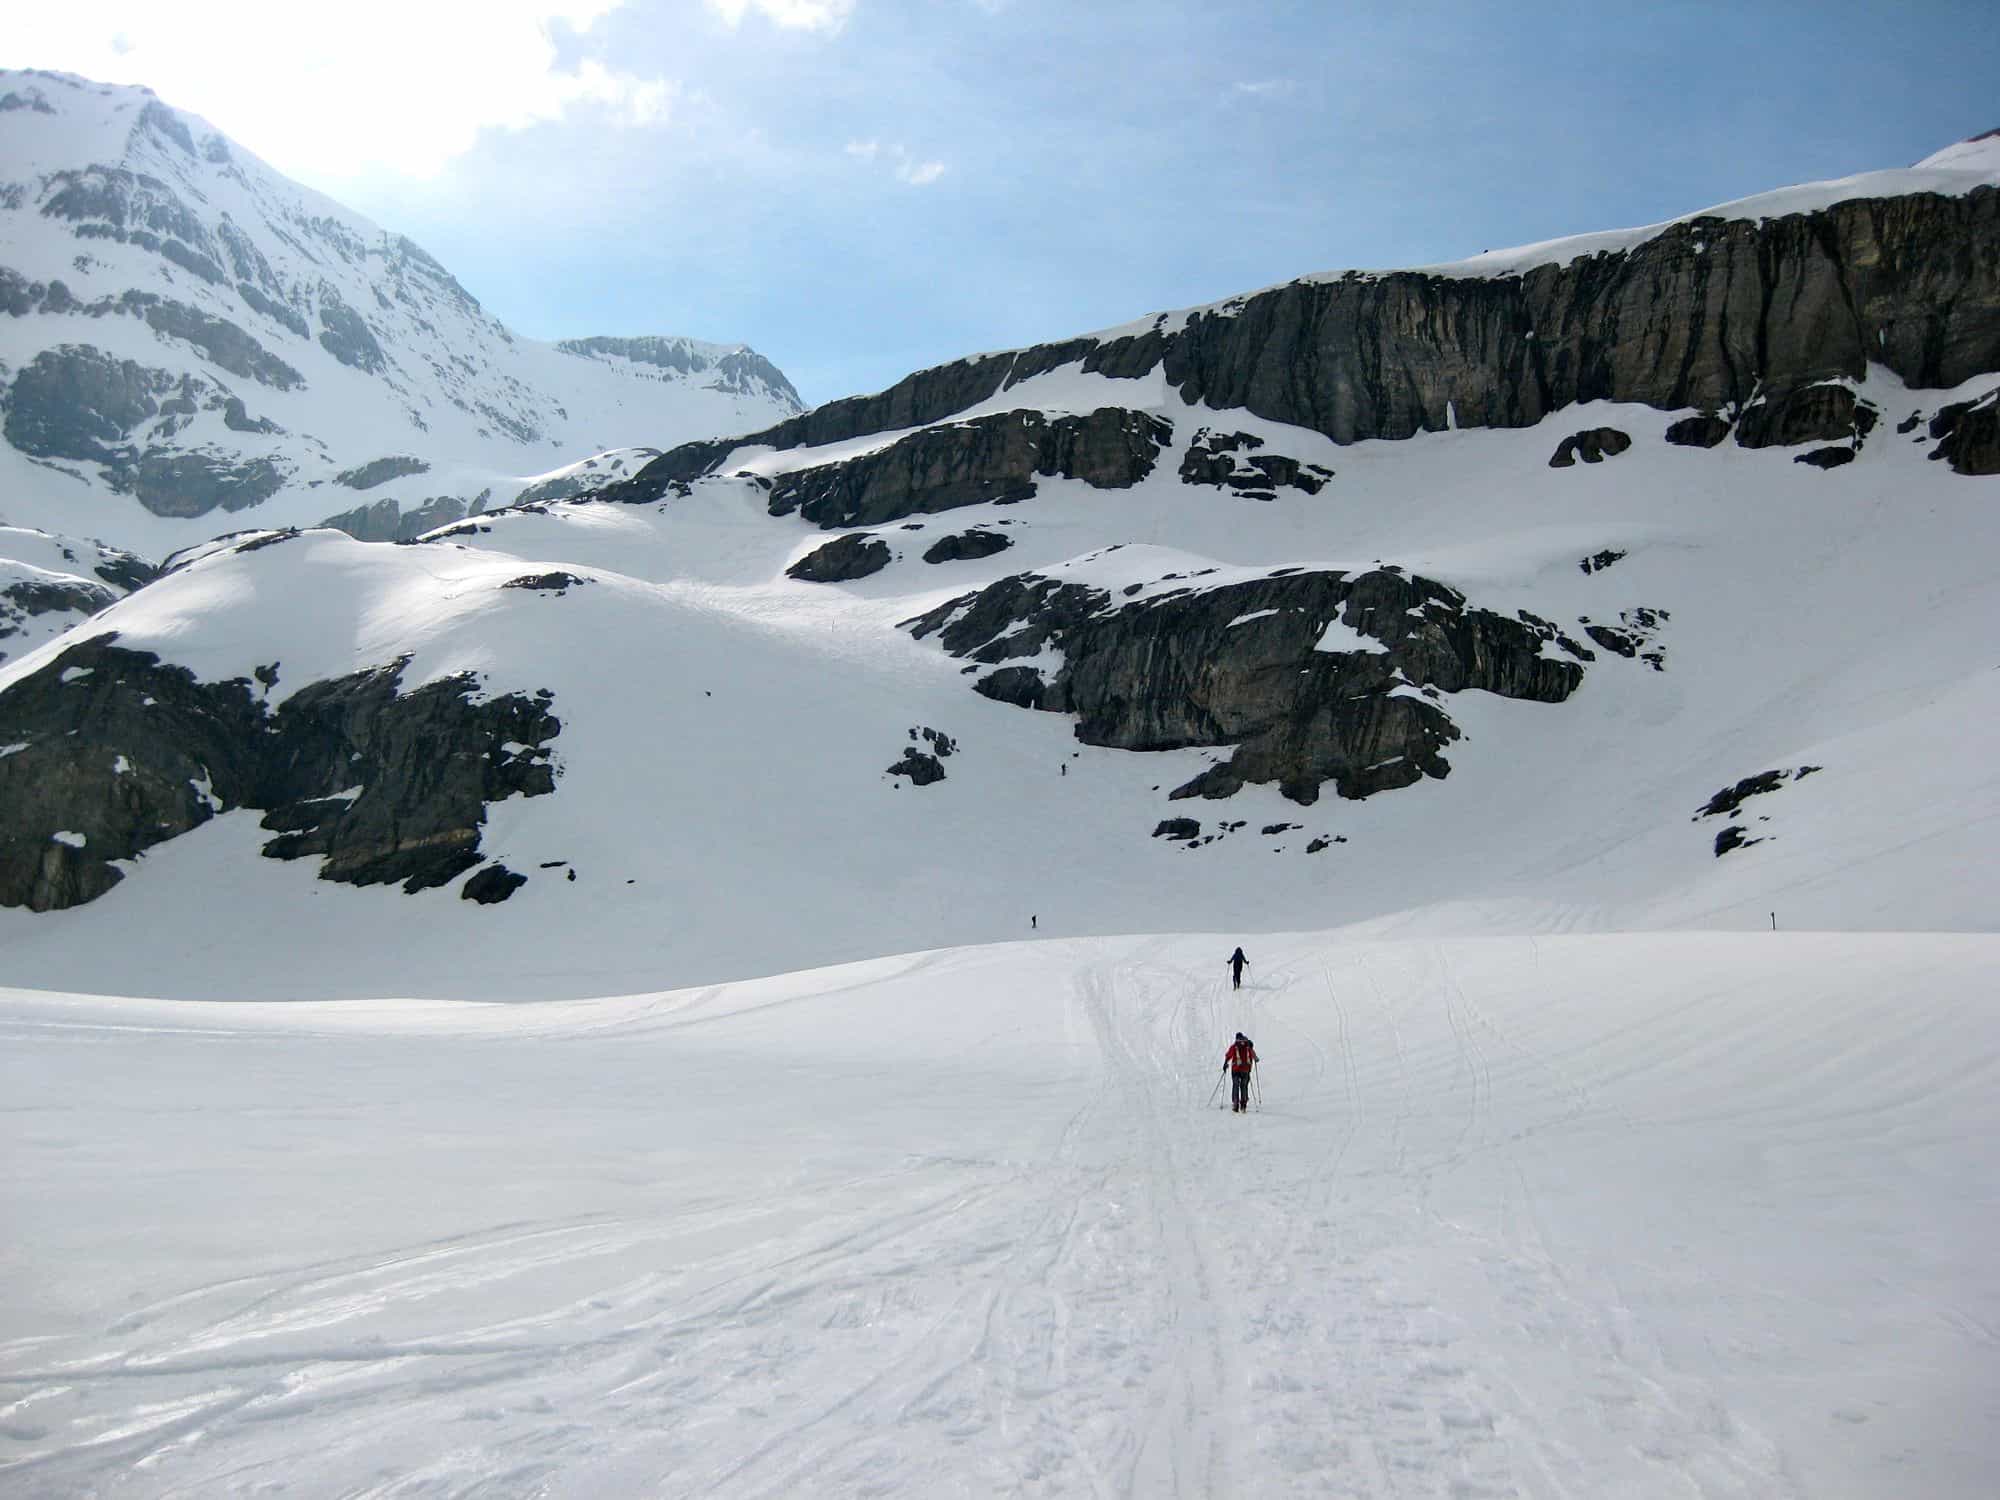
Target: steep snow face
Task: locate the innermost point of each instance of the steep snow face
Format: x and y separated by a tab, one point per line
191	343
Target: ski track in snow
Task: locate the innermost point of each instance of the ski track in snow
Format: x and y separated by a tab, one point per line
1057	1268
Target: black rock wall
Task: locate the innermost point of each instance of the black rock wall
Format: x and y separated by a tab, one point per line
1239	665
1708	314
121	751
992	459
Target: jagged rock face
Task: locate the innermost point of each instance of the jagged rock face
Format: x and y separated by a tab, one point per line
110	751
991	460
845	558
1229	460
1812	414
1709	314
1699	316
1242	664
386	520
1968	435
743	371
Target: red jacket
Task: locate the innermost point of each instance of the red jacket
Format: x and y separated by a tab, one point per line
1239	1057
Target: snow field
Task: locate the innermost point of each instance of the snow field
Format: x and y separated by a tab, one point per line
1638	1215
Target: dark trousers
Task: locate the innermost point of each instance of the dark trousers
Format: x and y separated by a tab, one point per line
1239	1090
1236	975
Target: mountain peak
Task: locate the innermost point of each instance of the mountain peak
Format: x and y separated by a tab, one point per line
1976	153
192	334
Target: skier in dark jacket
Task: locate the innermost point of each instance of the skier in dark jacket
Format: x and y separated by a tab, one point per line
1237	1063
1236	961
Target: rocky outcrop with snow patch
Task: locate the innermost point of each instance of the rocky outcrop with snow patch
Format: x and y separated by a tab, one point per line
49	583
1312	676
110	751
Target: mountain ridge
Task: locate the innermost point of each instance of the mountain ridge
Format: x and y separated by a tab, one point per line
186	329
1048	634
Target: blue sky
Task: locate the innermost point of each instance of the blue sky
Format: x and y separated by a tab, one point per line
859	188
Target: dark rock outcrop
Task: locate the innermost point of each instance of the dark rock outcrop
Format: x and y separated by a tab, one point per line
1733	837
1212	458
1704	431
1243	664
80	403
381	471
1633	635
1814	414
845	558
1826	458
554	582
121	751
922	769
964	546
345	334
1177	829
992	459
1597	562
1968	434
195	481
914	401
492	885
1593	445
387	521
1731	798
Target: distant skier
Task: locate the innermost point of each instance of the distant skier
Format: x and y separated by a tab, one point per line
1032	922
1237	1063
1236	961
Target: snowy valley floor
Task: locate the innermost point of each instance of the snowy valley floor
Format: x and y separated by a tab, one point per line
1673	1215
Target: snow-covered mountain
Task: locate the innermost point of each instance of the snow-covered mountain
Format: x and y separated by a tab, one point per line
1498	651
190	343
1300	610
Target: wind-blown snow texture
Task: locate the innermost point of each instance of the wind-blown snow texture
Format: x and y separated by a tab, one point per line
1674	1215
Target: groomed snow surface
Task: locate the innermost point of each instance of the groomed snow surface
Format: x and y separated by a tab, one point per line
1673	1215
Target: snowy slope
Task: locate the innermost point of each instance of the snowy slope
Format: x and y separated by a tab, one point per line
152	272
1641	1216
724	801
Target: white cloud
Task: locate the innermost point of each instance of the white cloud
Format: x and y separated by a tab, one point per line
795	15
1267	88
899	161
378	86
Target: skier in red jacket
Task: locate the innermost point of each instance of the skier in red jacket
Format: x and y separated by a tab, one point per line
1237	1063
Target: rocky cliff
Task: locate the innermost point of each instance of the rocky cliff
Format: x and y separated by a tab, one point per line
107	751
1312	676
1710	313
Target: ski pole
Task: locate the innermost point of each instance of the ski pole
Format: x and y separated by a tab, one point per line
1214	1091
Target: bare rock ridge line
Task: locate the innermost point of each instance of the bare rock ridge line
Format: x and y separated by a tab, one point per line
1711	313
